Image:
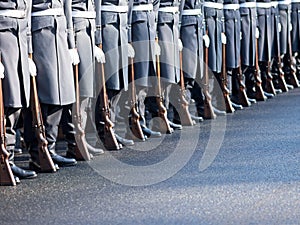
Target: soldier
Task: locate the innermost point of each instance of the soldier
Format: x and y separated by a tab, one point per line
83	14
192	34
170	44
248	44
115	37
54	52
143	32
264	45
15	41
295	35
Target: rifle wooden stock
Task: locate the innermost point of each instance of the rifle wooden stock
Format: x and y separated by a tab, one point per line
292	77
229	107
6	175
208	109
185	116
162	111
242	96
110	140
269	84
46	162
81	150
134	118
259	93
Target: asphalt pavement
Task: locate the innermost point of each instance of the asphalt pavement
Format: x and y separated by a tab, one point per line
239	169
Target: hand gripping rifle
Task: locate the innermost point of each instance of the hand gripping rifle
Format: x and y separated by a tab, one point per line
208	109
81	150
229	107
185	116
134	117
110	141
46	162
259	93
162	111
6	175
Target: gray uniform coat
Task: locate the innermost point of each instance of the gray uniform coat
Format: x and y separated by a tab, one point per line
248	29
143	36
232	32
295	20
284	14
14	54
168	35
191	33
275	32
115	29
215	24
295	34
52	36
84	29
264	27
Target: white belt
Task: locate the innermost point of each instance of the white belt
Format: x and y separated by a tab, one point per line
84	14
285	2
295	1
274	4
213	5
13	13
168	9
265	5
49	12
143	7
248	5
191	12
115	8
231	6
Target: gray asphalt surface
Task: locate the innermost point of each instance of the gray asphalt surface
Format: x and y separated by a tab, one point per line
253	178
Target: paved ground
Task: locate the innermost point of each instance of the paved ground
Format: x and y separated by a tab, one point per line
252	176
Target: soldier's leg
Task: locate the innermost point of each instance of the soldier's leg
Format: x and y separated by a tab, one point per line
12	115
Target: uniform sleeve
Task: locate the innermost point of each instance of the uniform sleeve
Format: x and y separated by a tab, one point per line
181	7
28	16
129	21
98	33
155	10
70	30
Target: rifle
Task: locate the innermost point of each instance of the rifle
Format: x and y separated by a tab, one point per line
134	117
6	175
281	79
229	107
291	73
185	116
259	93
208	109
162	111
242	96
110	140
46	162
81	150
269	83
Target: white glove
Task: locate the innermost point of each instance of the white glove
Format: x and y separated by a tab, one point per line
241	35
157	50
180	45
279	27
131	52
74	56
99	55
223	38
291	27
206	40
32	67
257	33
1	71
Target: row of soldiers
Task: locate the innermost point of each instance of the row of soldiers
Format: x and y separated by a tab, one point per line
250	47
